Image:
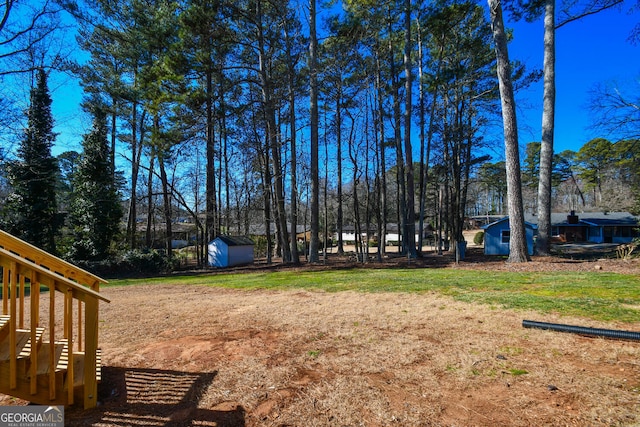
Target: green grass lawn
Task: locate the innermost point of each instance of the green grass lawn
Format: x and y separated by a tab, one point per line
595	295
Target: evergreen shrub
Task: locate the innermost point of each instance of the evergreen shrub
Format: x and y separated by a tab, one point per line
478	239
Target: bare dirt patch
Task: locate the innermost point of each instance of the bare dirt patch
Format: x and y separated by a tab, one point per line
183	356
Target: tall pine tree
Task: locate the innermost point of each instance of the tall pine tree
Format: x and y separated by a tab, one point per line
96	210
31	211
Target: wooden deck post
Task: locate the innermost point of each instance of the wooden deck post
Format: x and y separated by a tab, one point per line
90	353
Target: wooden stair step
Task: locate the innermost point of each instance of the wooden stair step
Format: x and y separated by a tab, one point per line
26	350
61	357
23	344
62	362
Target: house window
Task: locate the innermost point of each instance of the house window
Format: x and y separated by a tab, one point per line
504	236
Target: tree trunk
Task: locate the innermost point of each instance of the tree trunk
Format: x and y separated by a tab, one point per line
313	92
382	241
295	258
166	205
224	139
400	172
517	242
367	181
210	192
410	212
273	142
114	133
548	117
325	239
278	192
424	165
150	208
266	188
136	152
340	214
353	155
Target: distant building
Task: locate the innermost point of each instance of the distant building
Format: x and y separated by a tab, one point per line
393	235
227	251
498	233
588	227
594	227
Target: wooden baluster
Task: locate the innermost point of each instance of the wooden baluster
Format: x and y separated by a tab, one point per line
13	357
52	341
68	320
5	290
80	343
22	296
65	310
34	300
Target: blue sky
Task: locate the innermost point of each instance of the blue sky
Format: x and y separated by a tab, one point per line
594	50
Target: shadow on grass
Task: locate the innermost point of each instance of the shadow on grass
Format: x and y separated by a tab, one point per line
153	397
585	251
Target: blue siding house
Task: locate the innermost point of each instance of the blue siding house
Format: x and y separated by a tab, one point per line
497	234
594	227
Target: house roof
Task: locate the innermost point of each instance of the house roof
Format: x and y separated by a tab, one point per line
259	229
528	224
349	228
591	219
391	227
236	240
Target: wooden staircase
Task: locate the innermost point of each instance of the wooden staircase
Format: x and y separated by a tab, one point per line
48	327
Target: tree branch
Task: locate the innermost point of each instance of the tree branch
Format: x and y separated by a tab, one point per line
7	11
588	13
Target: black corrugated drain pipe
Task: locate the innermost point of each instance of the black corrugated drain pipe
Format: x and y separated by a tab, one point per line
580	330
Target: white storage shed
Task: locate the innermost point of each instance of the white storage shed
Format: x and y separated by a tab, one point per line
227	251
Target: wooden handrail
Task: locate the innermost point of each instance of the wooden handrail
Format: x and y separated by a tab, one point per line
45	259
48	277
